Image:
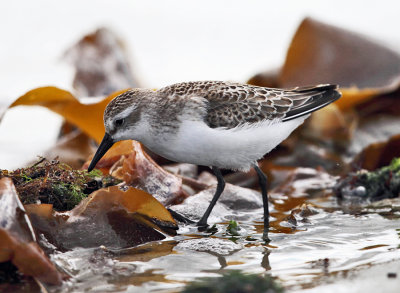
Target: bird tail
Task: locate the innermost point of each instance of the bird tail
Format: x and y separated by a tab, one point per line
318	97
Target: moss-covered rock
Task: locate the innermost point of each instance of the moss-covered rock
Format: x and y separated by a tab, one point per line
377	185
56	183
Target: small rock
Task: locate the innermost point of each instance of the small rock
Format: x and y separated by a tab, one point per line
211	245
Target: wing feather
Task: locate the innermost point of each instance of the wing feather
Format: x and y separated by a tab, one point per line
231	104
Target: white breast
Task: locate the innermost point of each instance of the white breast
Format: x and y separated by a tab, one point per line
237	148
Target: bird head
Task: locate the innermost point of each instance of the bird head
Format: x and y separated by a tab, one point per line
121	121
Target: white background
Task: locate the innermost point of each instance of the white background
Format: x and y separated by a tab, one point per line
168	42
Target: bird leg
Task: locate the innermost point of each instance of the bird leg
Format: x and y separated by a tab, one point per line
262	180
218	191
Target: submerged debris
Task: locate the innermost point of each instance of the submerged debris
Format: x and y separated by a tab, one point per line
56	183
237	282
377	185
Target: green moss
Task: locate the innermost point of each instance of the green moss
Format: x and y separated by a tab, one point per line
395	165
233	228
70	194
384	182
235	282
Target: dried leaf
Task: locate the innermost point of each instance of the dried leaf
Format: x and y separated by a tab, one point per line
132	201
266	79
112	156
17	240
139	170
378	155
387	104
110	216
372	128
101	64
321	53
89	118
354	96
44	210
331	123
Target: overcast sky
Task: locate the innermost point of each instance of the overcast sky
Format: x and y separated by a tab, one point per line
174	40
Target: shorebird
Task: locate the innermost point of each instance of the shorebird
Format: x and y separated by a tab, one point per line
212	123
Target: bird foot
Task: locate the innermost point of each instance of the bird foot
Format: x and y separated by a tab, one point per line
201	226
266	238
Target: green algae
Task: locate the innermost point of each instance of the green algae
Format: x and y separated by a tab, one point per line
233	228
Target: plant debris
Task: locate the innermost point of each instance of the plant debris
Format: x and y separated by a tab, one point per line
55	183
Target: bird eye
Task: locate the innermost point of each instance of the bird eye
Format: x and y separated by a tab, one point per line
119	122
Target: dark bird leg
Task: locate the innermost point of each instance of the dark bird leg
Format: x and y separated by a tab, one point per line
220	188
262	180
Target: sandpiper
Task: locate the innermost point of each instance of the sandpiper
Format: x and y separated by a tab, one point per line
212	123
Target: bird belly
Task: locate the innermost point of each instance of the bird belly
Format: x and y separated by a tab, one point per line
237	148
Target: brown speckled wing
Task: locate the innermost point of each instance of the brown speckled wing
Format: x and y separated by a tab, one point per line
232	104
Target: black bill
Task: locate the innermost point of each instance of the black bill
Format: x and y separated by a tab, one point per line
104	146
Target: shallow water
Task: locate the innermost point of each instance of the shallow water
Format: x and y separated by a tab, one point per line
319	245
